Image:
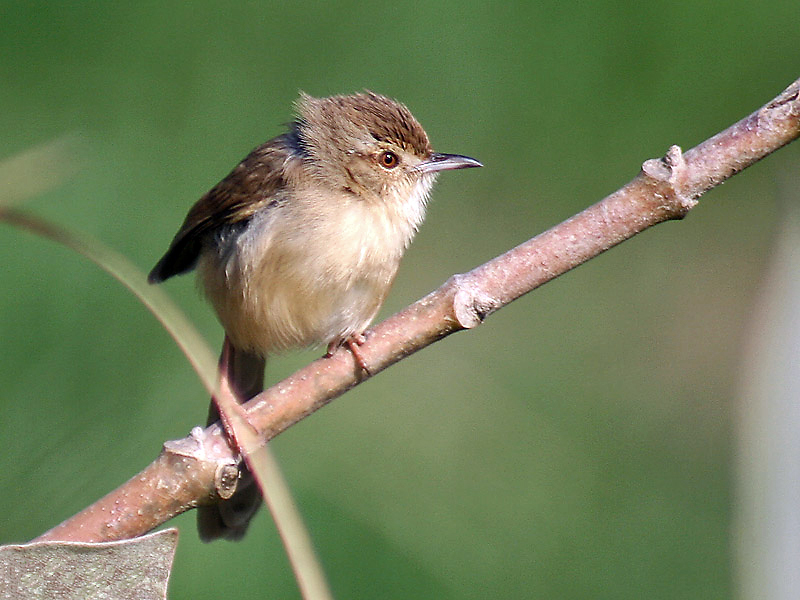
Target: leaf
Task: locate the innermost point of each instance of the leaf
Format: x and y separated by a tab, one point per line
129	569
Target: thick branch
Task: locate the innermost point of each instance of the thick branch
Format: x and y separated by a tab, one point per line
198	469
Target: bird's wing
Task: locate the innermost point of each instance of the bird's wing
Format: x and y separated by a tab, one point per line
252	185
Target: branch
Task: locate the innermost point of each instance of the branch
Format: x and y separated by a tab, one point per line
202	468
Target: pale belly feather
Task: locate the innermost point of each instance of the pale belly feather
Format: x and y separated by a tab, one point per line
290	284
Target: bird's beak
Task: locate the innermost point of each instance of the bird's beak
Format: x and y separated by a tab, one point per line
444	162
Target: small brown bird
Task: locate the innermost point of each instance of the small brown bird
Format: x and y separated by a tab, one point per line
300	243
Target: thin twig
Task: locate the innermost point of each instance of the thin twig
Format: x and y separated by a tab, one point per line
265	468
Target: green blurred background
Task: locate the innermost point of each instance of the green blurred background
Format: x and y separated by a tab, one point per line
580	444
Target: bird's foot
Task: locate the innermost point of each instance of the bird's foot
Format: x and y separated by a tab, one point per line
353	342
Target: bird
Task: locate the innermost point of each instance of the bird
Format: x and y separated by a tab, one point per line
299	244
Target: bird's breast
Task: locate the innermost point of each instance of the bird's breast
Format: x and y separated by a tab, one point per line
304	274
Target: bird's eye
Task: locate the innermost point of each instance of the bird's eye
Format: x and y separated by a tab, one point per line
388	160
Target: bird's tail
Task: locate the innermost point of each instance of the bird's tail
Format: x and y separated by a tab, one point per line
229	519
